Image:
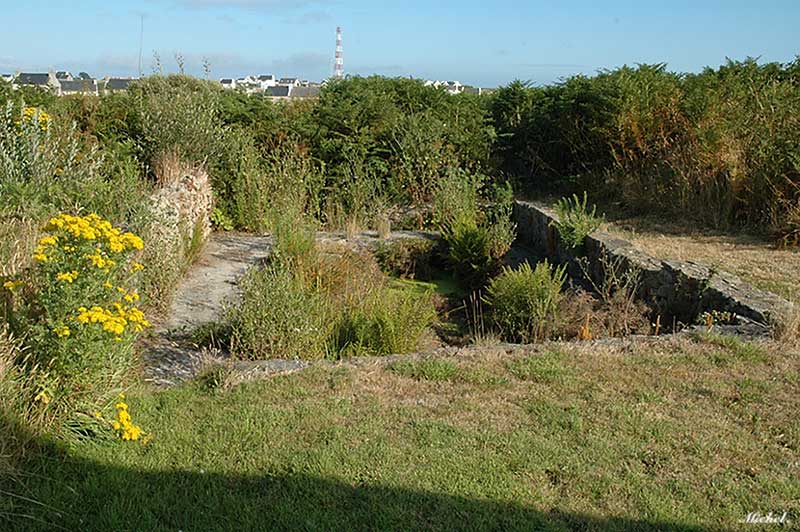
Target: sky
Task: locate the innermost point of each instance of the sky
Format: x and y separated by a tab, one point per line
485	43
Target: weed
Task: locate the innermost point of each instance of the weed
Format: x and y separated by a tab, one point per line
525	302
575	220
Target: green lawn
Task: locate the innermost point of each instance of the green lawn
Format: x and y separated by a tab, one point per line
680	435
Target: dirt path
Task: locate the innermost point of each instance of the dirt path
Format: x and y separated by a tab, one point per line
213	280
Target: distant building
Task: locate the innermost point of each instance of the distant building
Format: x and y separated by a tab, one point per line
64	75
84	75
228	83
289	82
78	86
279	91
8	78
304	92
248	84
451	87
112	85
46	81
266	81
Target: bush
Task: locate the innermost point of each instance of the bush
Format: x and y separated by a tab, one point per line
334	306
177	114
45	166
575	221
470	254
392	321
456	200
525	302
76	311
279	317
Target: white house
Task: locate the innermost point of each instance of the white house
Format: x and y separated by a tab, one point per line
228	83
47	81
451	87
266	81
288	82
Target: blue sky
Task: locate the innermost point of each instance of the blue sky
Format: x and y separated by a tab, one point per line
486	43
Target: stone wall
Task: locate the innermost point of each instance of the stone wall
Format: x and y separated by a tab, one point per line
675	290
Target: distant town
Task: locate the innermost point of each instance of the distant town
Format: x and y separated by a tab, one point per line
64	83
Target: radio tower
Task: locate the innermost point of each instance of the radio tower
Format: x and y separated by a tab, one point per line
338	66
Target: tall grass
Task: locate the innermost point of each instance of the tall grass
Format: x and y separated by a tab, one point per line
320	305
720	147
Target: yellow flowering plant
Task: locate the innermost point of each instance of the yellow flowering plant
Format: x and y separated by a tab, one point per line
122	424
77	307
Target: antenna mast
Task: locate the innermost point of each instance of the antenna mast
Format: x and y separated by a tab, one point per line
338	66
141	39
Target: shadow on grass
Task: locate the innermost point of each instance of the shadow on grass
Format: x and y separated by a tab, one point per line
78	495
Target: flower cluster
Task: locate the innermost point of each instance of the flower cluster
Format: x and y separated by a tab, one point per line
114	321
67	277
123	424
90	227
13	284
31	114
81	277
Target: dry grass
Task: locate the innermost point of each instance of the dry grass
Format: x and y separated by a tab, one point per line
17	242
754	259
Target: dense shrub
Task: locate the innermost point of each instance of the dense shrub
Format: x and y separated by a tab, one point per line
336	305
399	133
721	145
178	114
76	312
280	316
476	238
525	302
391	321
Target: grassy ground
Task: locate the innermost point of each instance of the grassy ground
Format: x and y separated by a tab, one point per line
669	435
753	258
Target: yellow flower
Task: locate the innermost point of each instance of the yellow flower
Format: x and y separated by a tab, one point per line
98	415
62	331
40	257
131	297
12	285
133	241
67	276
42	396
137	267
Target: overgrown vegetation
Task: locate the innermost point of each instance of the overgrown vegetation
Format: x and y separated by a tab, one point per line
721	145
632	136
575	220
310	305
525	302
